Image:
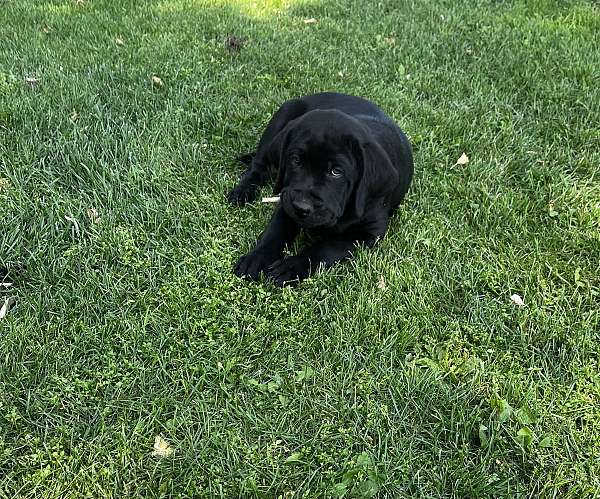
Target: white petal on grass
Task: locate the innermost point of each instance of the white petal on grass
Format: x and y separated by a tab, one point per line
161	448
157	81
517	300
381	284
312	20
463	160
75	223
31	80
274	199
8	304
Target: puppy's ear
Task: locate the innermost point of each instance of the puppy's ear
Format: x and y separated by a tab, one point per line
278	148
377	175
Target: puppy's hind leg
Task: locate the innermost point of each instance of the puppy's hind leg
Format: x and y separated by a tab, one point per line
247	158
260	162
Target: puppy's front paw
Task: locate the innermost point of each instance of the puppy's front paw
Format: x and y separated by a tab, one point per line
242	194
289	271
252	264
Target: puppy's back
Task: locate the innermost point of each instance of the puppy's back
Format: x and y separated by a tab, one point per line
349	104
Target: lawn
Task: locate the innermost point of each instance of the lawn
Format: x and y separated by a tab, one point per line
408	372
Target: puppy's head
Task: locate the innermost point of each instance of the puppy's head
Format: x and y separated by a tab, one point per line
327	167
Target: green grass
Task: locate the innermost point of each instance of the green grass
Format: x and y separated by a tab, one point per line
132	325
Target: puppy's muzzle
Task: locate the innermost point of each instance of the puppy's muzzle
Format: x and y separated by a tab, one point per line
302	208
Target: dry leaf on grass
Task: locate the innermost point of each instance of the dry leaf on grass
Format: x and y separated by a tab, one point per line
234	43
381	284
157	81
161	448
294	458
388	40
93	215
517	300
312	20
8	304
463	160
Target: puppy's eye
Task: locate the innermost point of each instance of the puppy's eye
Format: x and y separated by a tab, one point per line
335	172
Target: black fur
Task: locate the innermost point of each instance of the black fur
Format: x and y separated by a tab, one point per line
343	167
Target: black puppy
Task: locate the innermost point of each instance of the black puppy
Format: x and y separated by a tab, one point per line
343	168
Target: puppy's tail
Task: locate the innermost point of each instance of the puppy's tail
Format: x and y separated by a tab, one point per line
247	158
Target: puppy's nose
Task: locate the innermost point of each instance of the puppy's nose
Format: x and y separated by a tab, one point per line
302	208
